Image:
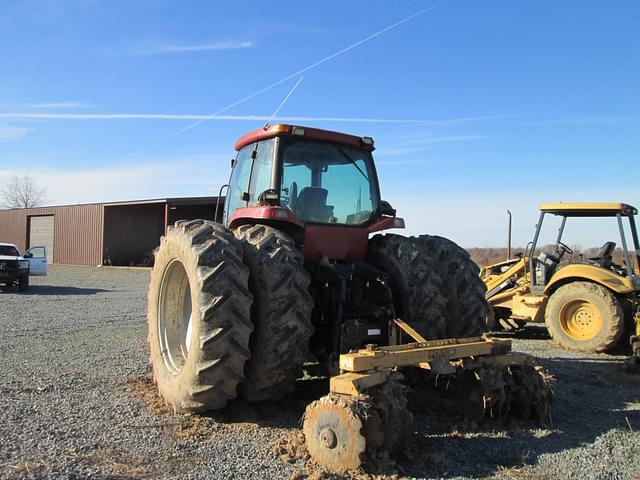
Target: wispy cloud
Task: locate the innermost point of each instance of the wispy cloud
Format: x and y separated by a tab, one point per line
583	121
419	143
245	118
202	47
54	105
164	177
10	133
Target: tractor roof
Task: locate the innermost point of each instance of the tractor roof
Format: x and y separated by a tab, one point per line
588	209
281	130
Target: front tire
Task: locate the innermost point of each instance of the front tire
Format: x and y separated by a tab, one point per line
585	317
23	284
198	316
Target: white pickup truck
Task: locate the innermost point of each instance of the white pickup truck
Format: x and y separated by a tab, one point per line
16	268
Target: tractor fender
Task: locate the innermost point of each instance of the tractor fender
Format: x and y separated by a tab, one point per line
589	273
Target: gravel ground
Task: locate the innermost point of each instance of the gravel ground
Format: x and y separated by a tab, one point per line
75	402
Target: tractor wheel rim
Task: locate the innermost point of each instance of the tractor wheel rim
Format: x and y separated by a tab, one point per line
580	319
175	327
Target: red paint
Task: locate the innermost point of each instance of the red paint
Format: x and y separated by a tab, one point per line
281	130
335	242
270	213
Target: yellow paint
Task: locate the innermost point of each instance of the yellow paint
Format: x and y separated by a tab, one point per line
580	319
586	209
592	273
529	307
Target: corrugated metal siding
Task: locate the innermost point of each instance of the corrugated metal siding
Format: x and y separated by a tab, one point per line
13	228
78	234
81	231
78	231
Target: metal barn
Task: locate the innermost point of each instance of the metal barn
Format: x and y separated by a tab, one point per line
121	233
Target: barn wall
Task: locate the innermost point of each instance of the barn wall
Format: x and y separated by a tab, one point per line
13	227
77	231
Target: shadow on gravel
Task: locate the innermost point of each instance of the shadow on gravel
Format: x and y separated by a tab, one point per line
529	332
283	414
59	290
592	397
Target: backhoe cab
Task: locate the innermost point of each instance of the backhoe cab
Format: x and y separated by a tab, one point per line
582	300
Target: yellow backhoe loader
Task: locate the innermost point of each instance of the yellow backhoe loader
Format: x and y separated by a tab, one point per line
586	303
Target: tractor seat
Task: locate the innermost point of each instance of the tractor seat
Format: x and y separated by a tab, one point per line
545	267
311	205
605	253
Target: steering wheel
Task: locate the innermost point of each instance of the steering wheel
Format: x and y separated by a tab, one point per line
562	249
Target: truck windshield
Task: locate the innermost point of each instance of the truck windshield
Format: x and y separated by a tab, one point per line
9	250
328	183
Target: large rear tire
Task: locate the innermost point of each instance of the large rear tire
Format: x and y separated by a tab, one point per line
584	316
419	293
435	284
281	313
198	316
467	306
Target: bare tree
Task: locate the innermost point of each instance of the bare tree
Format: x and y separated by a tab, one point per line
22	192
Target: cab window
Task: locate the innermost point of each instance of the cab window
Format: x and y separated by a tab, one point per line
251	175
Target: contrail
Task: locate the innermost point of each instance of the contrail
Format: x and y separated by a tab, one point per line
295	74
242	118
284	100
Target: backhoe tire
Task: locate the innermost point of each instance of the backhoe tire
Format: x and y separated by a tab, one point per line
198	354
585	317
281	313
419	293
467	306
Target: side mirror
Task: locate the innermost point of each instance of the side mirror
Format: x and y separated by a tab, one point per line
385	208
233	163
28	255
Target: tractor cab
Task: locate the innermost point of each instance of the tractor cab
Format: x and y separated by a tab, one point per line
545	266
320	187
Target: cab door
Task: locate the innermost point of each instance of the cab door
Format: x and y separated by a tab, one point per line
37	257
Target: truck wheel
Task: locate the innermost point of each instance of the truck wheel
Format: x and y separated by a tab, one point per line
419	292
198	316
281	313
467	307
23	284
584	316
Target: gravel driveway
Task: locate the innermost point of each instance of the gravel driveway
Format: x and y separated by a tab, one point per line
76	402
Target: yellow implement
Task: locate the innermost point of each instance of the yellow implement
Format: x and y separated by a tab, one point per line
365	414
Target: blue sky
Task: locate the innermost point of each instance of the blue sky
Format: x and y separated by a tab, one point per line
511	103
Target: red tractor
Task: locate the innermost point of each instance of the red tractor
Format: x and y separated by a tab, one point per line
292	275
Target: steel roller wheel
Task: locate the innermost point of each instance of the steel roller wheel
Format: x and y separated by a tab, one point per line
333	430
520	392
344	433
584	316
